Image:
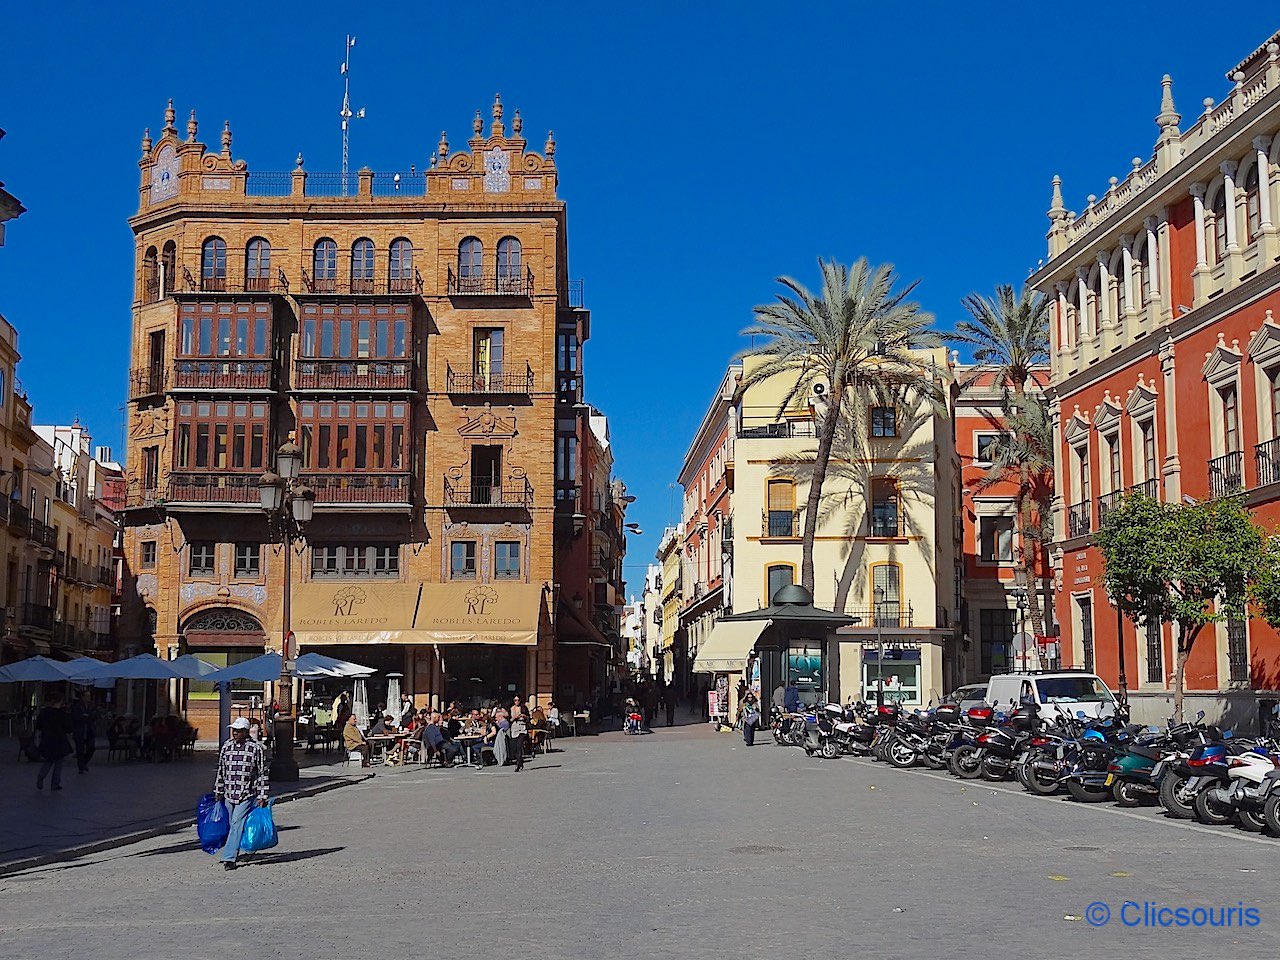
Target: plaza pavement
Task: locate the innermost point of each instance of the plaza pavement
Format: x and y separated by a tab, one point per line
682	843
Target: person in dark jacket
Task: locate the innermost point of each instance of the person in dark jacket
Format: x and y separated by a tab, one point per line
791	698
84	730
53	726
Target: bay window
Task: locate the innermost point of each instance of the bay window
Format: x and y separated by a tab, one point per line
344	436
222	435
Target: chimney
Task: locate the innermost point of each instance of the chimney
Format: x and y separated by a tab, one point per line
103	455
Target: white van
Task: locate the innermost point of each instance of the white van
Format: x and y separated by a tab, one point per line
1068	692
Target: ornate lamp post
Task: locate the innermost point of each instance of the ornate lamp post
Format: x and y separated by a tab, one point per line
879	595
288	504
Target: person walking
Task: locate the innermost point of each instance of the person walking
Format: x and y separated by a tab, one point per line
84	730
518	734
669	702
750	718
241	782
53	726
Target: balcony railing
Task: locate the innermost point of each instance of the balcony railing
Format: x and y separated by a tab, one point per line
264	281
42	534
887	613
73	569
36	615
517	282
19	517
1267	457
203	487
780	523
1226	474
1106	503
142	494
1079	519
105	577
490	381
1147	488
785	430
215	374
147	382
330	374
373	286
103	642
359	488
486	493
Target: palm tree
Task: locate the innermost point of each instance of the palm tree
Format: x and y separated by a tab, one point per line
1009	337
856	336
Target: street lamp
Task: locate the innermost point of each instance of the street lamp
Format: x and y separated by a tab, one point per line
879	593
1019	595
288	505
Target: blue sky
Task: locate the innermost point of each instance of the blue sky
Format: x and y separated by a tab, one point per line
704	149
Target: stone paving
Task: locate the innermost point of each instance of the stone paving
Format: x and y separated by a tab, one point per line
683	843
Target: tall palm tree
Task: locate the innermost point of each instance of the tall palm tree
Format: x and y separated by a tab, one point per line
1009	337
857	336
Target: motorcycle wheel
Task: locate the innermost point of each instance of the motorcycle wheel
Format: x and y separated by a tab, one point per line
1126	794
1271	814
966	762
1020	774
901	755
934	761
1086	794
1251	820
992	772
1212	811
1170	786
1034	783
830	751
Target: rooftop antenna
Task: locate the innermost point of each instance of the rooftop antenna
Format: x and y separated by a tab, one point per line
346	113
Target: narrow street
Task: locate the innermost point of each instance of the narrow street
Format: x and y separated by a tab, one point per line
680	843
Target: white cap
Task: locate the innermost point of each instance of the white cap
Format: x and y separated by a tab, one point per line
240	723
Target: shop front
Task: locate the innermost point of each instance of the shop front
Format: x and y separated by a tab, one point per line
224	637
909	669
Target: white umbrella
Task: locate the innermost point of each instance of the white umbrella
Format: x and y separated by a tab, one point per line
191	667
37	670
145	666
331	666
360	702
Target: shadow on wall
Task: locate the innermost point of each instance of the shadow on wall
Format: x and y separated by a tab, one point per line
1238	711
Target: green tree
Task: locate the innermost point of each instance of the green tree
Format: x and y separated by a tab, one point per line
1191	565
857	335
1008	335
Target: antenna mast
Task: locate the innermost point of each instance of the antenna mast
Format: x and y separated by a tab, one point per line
346	113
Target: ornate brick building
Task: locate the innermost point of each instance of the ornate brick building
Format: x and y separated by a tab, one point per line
417	335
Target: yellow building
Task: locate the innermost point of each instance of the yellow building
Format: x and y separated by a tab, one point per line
671	598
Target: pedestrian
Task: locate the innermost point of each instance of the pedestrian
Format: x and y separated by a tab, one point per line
241	782
791	697
669	702
750	719
53	726
518	733
84	730
780	698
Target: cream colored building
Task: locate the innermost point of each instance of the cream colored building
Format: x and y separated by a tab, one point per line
671	597
888	526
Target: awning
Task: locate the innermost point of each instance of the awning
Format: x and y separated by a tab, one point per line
727	648
428	613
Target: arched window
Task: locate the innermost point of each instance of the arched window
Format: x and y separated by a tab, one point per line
782	519
1216	228
362	266
471	263
150	275
213	264
1252	205
885	593
257	265
168	267
777	576
509	266
324	266
401	266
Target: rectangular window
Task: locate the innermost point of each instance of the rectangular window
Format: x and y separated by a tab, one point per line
783	519
1230	419
1148	428
221	436
386	560
1238	650
354	561
1083	480
1155	652
1113	462
150	468
995	536
985	446
201	562
246	335
884	508
506	561
567	459
884	422
462	560
1274	379
248	559
1085	605
354	437
487	352
147	555
995	639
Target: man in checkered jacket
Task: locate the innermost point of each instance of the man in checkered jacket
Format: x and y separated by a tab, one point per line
241	782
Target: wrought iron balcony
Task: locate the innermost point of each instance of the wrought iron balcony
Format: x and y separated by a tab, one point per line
146	382
372	286
37	615
1267	457
492	380
43	534
1108	502
368	375
202	488
515	282
357	489
208	373
19	517
889	614
787	429
103	642
264	281
1147	488
1079	519
105	577
780	523
516	492
1226	474
143	495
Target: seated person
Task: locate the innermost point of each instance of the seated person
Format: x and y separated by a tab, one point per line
553	716
354	740
433	738
384	726
453	723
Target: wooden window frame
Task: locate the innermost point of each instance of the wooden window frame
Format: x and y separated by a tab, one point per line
196	435
355	436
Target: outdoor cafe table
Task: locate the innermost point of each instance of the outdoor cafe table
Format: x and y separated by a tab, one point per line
387	741
465	740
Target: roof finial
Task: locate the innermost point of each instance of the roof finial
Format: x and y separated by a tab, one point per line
550	148
1169	116
517	123
298	161
442	147
497	130
226	139
1056	209
192	127
477	124
170	115
146	143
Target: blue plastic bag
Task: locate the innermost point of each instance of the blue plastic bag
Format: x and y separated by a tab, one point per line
259	830
212	824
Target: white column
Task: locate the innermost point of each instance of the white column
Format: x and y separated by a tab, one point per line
1262	145
1082	313
1229	168
1107	322
1064	327
1126	246
1197	193
1153	259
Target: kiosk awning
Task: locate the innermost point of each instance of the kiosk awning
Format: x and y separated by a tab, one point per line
727	648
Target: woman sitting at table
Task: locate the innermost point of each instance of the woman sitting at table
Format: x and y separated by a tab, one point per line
384	726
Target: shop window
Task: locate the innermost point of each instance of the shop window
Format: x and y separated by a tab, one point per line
900	671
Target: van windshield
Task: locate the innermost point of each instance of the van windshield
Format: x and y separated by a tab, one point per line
1073	690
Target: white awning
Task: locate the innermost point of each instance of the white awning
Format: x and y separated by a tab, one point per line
726	650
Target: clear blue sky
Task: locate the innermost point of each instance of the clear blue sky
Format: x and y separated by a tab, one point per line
704	148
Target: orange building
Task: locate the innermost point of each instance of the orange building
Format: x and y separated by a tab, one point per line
1166	375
